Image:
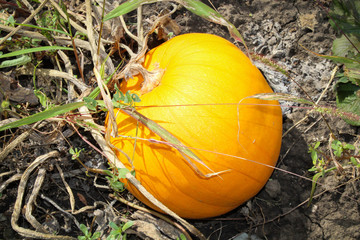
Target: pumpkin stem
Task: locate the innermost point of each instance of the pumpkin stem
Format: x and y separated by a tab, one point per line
152	79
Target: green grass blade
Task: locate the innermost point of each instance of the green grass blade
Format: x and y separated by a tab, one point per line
31	50
281	96
43	115
126	7
22	60
314	182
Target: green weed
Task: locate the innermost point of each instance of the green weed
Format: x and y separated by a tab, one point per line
88	235
118	232
321	161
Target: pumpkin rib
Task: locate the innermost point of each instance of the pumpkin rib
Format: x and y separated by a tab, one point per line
196	72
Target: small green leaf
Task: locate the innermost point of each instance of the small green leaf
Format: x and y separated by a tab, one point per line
348	100
96	235
113	226
84	229
127	225
314	182
353	161
182	237
314	156
135	97
349	146
4	104
116	185
71	151
313	169
344	45
128	98
338	148
122	172
43	99
11	20
90	103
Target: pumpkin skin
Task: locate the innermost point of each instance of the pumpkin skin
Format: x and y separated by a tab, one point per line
209	70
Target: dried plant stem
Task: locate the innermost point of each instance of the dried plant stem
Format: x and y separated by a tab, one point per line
29	205
101	25
13	178
18	140
68	189
140	29
60	209
137	39
72	94
91	34
17	206
55	73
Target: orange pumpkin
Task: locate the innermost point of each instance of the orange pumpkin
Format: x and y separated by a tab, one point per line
201	74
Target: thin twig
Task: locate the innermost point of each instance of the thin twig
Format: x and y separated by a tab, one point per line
56	74
61	210
13	178
140	29
5	174
68	189
128	32
18	140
